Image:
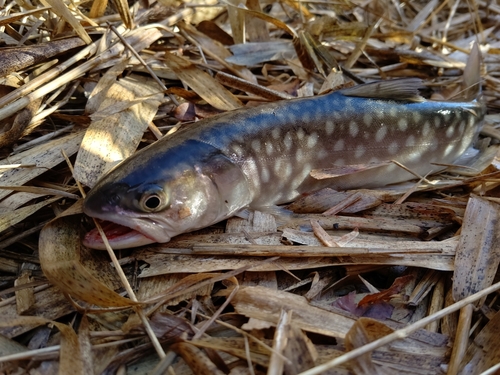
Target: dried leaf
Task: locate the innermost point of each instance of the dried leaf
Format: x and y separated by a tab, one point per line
202	83
60	260
14	217
62	11
44	156
13	17
71	361
387	294
114	138
196	359
18	58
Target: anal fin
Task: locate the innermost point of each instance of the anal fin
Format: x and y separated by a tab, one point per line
344	170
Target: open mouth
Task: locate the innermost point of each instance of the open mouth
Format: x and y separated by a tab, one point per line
119	237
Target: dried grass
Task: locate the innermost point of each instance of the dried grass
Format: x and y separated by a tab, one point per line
400	280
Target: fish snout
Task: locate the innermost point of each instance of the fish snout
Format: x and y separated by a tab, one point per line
103	200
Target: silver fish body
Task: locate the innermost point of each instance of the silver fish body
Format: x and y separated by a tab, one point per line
264	156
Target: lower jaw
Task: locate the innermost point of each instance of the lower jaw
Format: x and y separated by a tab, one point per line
119	237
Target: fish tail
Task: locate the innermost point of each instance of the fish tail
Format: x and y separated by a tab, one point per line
471	83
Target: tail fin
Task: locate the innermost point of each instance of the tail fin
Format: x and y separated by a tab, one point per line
472	75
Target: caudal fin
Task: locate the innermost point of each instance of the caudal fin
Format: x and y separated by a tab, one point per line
472	75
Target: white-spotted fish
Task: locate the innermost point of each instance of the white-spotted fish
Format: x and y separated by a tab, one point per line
258	157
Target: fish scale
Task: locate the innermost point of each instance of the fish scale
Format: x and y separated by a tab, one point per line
264	156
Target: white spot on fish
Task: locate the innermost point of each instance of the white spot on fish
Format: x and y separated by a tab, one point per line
288	141
264	175
450	131
367	119
238	150
321	154
393	148
360	150
339	145
437	121
287	171
381	133
276	132
393	111
353	129
337	115
329	127
299	156
300	134
449	149
269	148
417	117
403	124
312	140
278	166
410	141
426	129
461	128
471	121
256	145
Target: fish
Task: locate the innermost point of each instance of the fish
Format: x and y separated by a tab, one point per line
264	156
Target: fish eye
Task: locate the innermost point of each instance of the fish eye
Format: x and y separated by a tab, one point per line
153	199
152	202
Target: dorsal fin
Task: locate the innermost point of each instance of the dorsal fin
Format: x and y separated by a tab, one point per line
396	89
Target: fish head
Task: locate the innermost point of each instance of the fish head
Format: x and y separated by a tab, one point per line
159	195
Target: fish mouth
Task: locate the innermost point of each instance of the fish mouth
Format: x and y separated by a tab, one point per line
118	236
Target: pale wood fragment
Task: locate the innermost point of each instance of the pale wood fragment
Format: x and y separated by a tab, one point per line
477	256
265	304
436	304
484	350
461	339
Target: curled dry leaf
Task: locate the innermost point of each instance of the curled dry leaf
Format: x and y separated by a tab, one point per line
59	247
387	294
